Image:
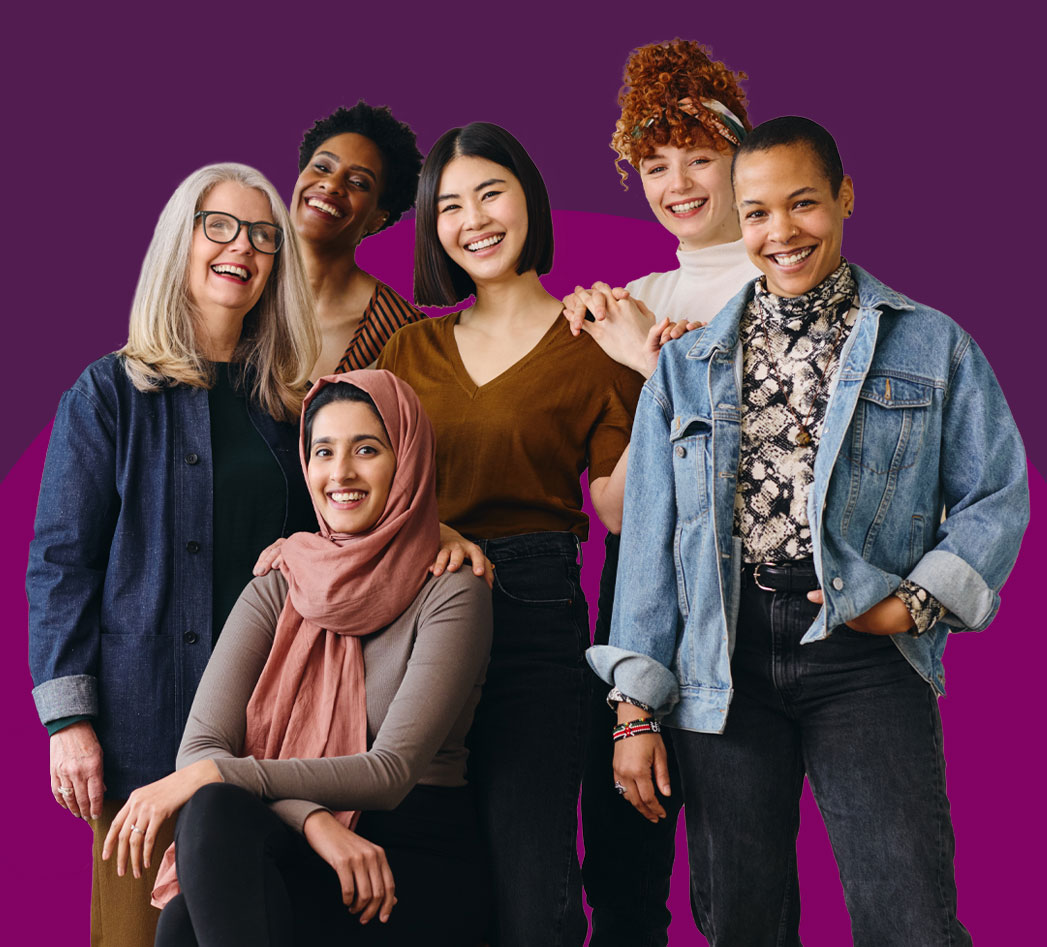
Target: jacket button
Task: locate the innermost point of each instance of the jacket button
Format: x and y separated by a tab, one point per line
681	451
192	458
192	546
837	583
191	637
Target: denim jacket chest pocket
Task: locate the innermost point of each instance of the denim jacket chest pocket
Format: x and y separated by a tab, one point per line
889	422
689	442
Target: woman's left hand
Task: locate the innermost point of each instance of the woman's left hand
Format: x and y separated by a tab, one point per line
456	549
889	616
133	832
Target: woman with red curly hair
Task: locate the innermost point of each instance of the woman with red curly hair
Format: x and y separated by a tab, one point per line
683	116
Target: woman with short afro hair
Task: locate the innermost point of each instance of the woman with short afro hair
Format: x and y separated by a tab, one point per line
358	171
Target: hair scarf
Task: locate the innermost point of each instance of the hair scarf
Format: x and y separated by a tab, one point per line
310	699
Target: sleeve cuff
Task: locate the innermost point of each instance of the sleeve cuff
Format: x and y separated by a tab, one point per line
54	726
924	609
970	603
295	811
76	695
636	674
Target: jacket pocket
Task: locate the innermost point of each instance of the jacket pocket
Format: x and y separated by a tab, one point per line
889	422
689	443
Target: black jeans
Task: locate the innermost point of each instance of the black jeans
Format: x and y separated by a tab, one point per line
527	743
248	879
617	837
851	714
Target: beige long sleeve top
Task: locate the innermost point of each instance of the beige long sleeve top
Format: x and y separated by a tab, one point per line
423	675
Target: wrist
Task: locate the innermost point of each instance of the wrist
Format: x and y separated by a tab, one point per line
628	712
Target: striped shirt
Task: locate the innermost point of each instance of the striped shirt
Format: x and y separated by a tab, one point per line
385	313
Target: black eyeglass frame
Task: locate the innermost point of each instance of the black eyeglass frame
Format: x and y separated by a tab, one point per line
249	224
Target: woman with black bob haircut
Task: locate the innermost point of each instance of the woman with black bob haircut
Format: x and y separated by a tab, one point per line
521	409
357	175
438	279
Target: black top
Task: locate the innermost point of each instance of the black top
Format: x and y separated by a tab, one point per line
249	493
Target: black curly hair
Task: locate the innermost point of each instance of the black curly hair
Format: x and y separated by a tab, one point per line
395	140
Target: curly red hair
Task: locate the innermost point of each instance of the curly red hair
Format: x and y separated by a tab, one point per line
656	78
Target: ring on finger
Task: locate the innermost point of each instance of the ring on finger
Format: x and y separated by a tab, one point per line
134	828
65	790
619	788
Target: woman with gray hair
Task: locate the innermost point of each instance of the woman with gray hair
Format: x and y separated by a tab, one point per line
171	464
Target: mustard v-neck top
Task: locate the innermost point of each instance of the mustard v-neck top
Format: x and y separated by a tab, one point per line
509	454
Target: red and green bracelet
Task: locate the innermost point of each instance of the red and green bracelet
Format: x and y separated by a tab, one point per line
635	728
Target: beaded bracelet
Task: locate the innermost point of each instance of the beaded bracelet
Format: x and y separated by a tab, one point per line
635	727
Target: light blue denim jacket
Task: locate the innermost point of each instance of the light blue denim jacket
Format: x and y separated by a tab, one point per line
916	425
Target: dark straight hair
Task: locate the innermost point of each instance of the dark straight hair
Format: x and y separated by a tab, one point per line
795	130
438	281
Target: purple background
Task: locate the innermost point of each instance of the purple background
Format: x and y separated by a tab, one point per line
114	107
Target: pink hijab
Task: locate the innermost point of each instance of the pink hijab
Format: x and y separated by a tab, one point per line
310	700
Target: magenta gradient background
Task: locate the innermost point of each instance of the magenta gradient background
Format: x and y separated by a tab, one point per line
112	107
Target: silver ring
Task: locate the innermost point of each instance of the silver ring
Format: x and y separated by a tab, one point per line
65	790
619	788
134	828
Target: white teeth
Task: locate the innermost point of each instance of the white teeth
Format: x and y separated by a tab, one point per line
324	206
791	259
239	272
348	497
484	244
690	205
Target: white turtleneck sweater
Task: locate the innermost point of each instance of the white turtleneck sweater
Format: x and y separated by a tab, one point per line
705	280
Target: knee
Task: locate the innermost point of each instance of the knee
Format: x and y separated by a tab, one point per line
216	810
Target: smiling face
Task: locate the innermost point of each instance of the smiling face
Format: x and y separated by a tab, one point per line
481	218
337	193
350	466
689	190
228	278
791	222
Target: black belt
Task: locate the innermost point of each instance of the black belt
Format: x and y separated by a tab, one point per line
797	576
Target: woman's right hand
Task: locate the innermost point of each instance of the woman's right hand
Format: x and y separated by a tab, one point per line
76	768
636	759
363	870
269	559
456	549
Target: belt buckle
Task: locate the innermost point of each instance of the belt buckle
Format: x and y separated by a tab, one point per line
756	578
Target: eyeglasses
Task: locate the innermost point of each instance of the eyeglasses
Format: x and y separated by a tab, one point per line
221	227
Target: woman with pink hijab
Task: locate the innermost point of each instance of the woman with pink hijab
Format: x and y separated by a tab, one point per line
322	768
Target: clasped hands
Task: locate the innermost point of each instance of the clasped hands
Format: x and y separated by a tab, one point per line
622	326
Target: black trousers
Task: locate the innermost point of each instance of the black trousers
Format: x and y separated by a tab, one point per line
617	837
248	879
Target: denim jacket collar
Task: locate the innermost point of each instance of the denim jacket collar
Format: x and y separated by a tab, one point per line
722	332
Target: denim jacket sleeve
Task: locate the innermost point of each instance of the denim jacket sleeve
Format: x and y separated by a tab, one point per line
644	625
75	521
984	478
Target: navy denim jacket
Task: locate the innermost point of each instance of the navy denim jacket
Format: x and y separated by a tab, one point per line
916	425
119	579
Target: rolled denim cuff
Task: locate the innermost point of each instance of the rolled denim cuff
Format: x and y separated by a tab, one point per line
67	697
971	604
636	674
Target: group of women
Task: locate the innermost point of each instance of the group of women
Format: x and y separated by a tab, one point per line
376	744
